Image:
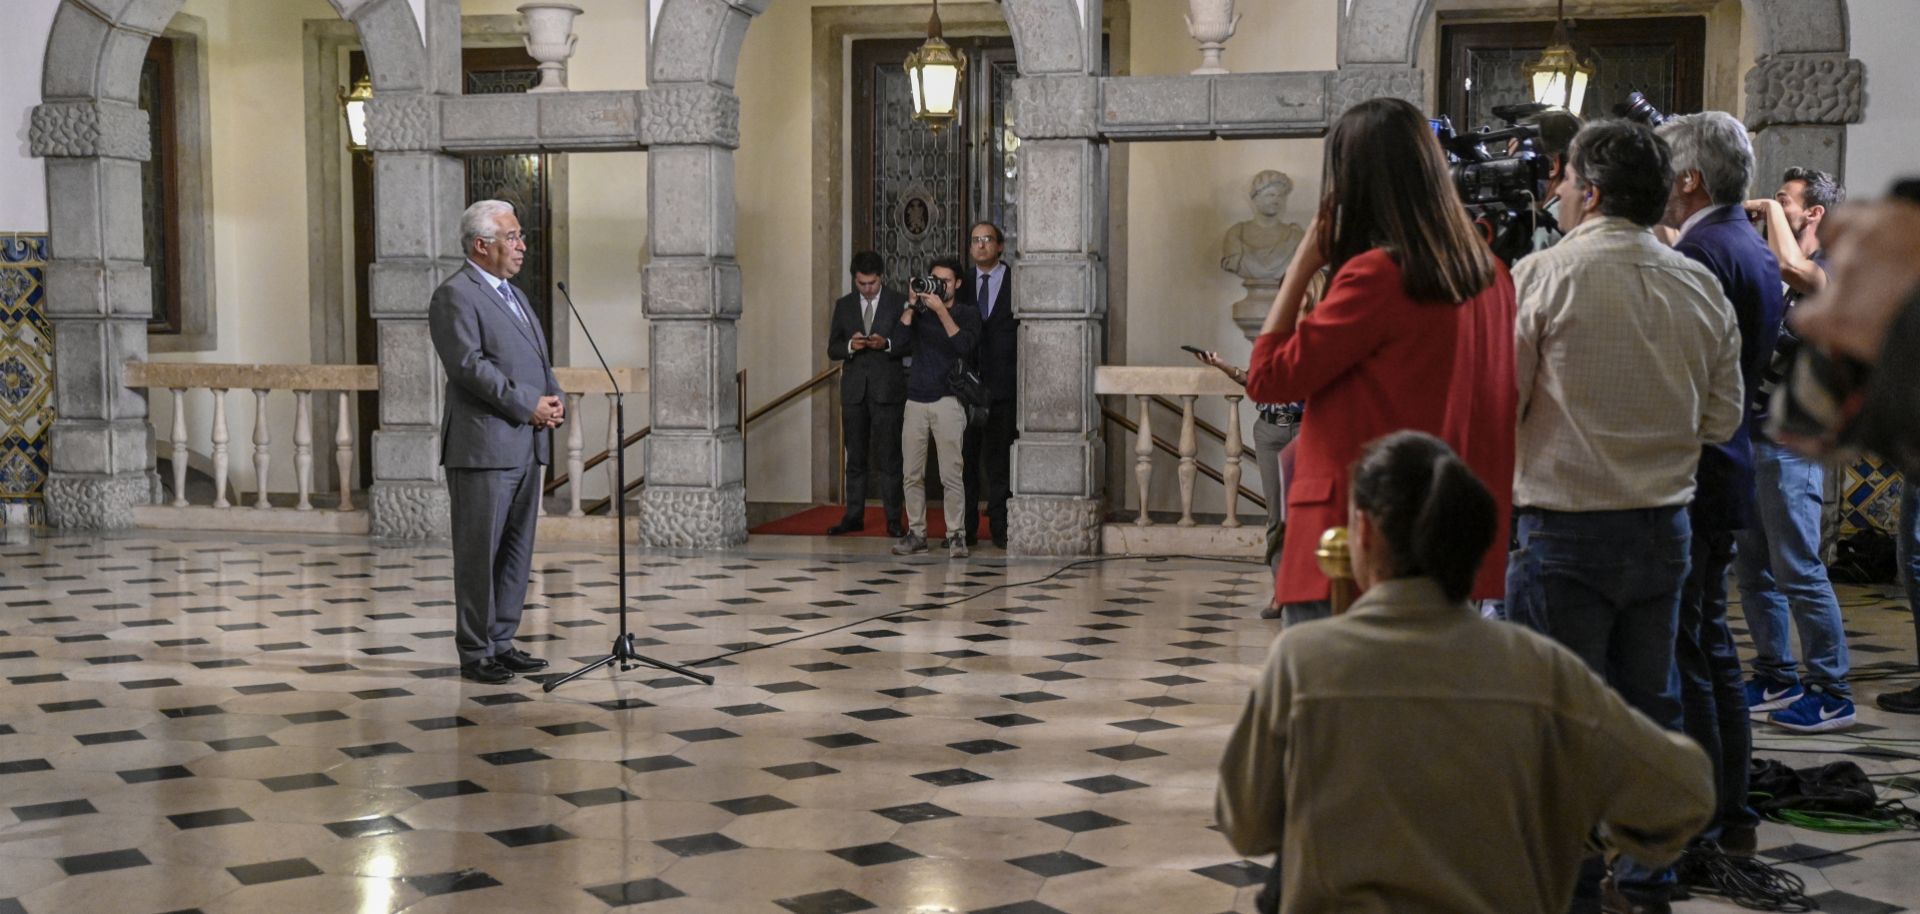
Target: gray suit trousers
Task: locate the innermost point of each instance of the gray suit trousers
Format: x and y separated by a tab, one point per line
493	525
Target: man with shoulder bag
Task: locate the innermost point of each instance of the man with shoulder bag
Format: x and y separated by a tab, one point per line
939	337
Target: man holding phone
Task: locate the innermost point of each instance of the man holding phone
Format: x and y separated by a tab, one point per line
873	392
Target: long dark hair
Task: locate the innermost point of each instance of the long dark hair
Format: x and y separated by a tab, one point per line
1386	185
1437	517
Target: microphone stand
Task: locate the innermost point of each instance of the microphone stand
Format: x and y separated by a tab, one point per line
623	651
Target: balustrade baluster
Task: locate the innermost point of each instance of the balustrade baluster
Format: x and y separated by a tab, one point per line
180	449
613	441
343	452
1143	459
220	448
576	463
262	438
303	447
1189	448
1231	472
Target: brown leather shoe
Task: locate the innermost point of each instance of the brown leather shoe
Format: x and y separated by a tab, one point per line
1271	612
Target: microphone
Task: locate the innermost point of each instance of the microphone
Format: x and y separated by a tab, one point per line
583	329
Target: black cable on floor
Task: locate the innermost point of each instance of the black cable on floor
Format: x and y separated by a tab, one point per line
1746	881
1082	563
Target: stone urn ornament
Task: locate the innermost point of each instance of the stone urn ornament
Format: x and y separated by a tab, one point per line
1211	22
550	41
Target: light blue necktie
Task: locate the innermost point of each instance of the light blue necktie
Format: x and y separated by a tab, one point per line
506	292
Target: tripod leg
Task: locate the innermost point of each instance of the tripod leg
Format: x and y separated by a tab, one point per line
552	684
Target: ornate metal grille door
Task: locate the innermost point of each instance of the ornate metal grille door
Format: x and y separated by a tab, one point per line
916	192
521	180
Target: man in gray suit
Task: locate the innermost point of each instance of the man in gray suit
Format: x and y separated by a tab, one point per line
502	399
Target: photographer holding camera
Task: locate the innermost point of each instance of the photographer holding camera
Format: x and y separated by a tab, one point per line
936	335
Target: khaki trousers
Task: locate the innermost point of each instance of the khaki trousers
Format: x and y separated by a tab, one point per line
945	421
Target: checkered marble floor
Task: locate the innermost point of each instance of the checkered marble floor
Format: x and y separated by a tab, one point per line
229	724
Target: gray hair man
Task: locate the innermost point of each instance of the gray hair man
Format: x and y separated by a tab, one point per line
1712	165
502	401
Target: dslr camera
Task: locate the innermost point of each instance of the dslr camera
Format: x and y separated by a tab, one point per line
928	285
1501	176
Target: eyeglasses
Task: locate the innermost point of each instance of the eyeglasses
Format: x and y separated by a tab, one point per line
510	238
985	239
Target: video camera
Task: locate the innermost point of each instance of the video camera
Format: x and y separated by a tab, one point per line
1501	176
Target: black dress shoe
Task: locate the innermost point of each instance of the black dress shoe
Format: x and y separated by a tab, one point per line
519	661
486	670
846	526
896	528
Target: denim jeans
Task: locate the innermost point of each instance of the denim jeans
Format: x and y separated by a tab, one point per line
1780	571
1712	696
1910	555
1607	585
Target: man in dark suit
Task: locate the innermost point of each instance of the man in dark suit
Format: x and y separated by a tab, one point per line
1712	166
501	402
873	391
989	443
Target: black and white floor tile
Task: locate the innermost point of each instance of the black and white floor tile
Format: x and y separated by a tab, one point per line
235	724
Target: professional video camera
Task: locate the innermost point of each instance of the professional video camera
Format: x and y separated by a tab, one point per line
1502	177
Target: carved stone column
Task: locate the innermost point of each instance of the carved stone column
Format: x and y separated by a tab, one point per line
421	194
99	299
1798	106
695	495
1060	298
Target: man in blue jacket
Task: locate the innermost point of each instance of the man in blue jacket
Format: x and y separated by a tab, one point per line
1713	165
935	333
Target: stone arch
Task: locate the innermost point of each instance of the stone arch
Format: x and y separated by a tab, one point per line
1802	91
94	137
696	494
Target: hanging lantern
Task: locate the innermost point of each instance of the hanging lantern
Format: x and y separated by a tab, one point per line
1559	77
935	71
353	103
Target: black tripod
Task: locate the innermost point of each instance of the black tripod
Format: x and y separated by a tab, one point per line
623	650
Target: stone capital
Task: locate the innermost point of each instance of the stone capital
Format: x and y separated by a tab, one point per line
1804	89
1350	86
690	115
403	123
1056	107
114	130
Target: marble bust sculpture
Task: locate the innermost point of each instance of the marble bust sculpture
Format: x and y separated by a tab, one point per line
1259	249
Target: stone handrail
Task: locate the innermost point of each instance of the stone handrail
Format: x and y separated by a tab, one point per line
302	381
1143	384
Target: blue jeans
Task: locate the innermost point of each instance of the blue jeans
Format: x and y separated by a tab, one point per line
1780	570
1712	697
1910	554
1607	585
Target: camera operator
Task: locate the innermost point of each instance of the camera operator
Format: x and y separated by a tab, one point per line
1712	167
1628	362
935	334
1557	128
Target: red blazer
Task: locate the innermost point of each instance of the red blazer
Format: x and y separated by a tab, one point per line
1368	360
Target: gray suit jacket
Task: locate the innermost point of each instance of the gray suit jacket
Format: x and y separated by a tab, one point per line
497	372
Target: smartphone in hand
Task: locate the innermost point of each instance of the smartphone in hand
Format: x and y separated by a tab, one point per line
1195	350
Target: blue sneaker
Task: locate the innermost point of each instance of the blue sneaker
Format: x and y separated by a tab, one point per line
1818	711
1765	693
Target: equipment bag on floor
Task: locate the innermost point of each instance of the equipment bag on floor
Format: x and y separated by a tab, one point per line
1836	787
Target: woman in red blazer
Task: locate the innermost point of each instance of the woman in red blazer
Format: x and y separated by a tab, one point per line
1415	332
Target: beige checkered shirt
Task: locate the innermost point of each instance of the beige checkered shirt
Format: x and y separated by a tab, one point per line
1629	361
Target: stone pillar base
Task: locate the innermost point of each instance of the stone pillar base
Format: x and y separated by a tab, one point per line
1053	526
410	511
85	501
683	517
